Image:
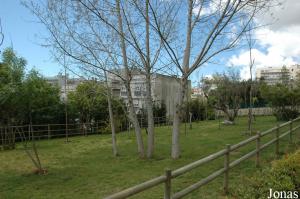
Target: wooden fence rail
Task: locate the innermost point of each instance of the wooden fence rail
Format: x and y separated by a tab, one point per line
10	134
169	175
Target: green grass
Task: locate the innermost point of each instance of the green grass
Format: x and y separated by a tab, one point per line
85	167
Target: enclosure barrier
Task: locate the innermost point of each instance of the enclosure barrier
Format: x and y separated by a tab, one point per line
169	175
11	134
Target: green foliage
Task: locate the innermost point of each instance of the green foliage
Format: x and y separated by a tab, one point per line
283	98
11	77
224	92
200	110
88	103
285	114
284	175
41	102
160	110
25	98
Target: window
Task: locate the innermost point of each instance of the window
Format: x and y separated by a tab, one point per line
137	93
123	93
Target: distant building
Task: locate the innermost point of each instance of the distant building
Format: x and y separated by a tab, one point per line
164	90
197	93
59	80
274	75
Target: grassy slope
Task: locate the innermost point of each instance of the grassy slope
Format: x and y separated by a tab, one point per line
85	168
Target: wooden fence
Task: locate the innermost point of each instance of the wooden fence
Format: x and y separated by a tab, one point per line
169	175
9	135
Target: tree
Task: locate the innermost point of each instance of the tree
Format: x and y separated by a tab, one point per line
111	116
90	97
41	101
209	28
200	109
11	78
119	30
124	30
87	98
24	96
251	64
224	92
283	99
19	97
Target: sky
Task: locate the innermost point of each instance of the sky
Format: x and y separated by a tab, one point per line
24	34
275	45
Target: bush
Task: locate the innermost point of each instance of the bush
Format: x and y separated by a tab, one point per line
284	175
285	114
200	110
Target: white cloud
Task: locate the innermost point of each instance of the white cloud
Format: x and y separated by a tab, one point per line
209	8
276	45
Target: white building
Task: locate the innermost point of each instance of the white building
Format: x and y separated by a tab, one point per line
273	75
59	80
164	90
197	93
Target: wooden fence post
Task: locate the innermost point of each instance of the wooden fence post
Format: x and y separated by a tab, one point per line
97	127
277	141
168	174
257	162
49	132
14	138
291	130
226	167
128	128
31	131
2	139
29	134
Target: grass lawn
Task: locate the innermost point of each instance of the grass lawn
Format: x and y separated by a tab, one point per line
85	167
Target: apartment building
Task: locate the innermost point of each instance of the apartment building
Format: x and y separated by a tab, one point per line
59	80
273	75
164	90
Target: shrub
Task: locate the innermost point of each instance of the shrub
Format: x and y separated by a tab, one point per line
285	114
284	175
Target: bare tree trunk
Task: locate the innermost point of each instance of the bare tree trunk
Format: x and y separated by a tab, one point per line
132	113
149	117
251	63
135	122
250	117
148	90
186	60
177	120
111	118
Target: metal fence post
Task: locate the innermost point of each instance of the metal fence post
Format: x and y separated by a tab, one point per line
277	141
257	162
168	174
226	167
291	130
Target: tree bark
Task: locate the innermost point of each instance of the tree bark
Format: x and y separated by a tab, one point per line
148	89
135	122
178	109
149	117
177	120
111	119
132	113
